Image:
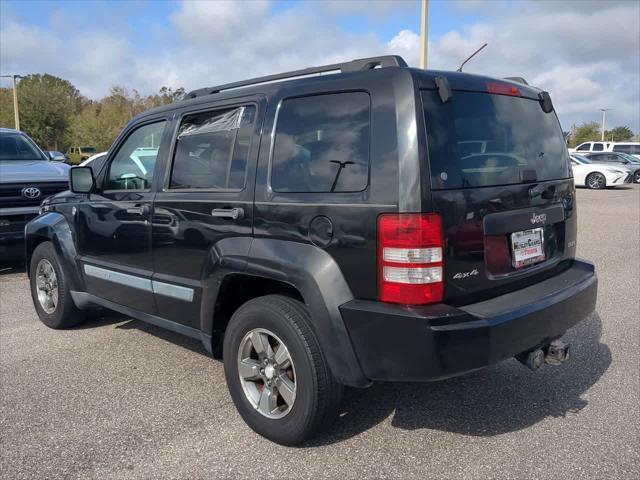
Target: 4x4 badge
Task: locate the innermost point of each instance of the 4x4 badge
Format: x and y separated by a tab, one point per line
541	218
461	275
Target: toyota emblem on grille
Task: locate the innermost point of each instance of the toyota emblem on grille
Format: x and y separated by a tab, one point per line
31	192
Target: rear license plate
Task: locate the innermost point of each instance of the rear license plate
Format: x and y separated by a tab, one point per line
527	247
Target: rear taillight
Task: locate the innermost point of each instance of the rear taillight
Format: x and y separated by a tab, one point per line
410	256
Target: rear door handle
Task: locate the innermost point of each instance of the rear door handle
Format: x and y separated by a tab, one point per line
232	213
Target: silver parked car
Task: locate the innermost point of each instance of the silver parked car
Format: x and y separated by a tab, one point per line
28	175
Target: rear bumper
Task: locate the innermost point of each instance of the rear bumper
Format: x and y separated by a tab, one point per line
431	342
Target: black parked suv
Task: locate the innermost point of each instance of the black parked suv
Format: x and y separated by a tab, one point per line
378	223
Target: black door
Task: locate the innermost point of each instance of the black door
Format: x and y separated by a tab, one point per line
114	223
205	207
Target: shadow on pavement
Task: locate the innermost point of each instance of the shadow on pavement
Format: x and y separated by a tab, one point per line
180	340
504	398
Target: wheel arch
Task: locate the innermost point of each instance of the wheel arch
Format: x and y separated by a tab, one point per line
53	227
301	271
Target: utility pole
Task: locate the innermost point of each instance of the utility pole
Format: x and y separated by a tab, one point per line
16	114
424	20
604	118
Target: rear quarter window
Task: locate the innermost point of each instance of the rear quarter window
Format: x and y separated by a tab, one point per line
322	144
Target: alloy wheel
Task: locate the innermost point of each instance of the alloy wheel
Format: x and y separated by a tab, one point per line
47	285
267	373
596	181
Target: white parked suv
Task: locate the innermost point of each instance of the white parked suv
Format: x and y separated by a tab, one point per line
632	148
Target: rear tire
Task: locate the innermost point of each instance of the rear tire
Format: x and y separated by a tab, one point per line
596	181
301	393
49	290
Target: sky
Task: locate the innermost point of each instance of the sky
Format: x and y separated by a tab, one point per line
585	53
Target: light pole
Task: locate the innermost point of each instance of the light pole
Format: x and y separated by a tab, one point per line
604	118
423	34
16	114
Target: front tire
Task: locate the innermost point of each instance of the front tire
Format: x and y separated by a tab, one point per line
49	290
596	181
276	371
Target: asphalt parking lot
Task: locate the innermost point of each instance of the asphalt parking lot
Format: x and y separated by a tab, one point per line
116	398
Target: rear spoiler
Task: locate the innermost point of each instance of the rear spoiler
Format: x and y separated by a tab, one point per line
517	79
445	92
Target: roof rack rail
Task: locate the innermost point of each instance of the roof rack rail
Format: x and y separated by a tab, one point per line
352	66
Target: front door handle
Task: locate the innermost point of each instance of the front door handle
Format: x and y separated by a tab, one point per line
232	213
143	210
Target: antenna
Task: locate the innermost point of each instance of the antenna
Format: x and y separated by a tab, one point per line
470	57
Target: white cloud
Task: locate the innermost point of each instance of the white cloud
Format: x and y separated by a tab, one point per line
406	44
585	54
219	21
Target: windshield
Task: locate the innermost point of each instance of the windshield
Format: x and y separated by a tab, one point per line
631	158
88	149
479	139
15	146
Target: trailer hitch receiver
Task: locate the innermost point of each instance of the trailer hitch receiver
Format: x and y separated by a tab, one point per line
556	352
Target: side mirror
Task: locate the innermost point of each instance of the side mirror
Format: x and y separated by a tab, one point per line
56	157
81	180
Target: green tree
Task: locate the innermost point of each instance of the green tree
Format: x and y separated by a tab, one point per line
619	134
47	104
584	133
168	95
100	122
6	108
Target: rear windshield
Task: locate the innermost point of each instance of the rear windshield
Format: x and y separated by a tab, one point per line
480	140
88	149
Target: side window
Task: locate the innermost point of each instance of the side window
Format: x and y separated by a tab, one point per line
597	147
134	162
212	149
583	147
622	148
322	144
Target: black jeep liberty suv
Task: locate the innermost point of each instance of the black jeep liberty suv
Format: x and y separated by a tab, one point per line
328	227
